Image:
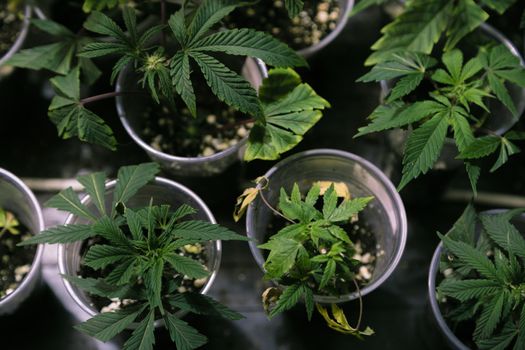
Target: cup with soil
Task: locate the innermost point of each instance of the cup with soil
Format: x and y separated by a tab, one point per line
20	266
379	234
163	191
317	25
182	144
499	121
459	337
14	25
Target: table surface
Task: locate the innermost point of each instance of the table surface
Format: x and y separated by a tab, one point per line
398	311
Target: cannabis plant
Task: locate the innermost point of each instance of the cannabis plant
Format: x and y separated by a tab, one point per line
485	278
440	91
8	223
167	57
312	253
138	255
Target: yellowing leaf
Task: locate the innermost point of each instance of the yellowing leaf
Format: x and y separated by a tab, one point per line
341	189
8	222
269	298
244	200
339	322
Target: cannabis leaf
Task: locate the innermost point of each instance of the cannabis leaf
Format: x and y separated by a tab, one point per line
59	57
70	116
90	5
313	253
293	7
142	254
8	223
487	279
500	66
287	116
417	29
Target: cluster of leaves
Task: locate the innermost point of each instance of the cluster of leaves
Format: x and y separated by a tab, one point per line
137	256
486	278
8	223
314	253
282	116
456	99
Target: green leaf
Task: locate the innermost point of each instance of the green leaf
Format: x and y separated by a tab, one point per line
463	134
90	5
404	86
69	85
283	252
400	65
98	49
464	229
498	5
464	290
423	148
55	57
134	224
501	92
94	185
499	229
227	85
395	115
67	200
99	287
99	23
473	172
203	305
209	13
153	282
180	73
187	266
328	273
184	336
417	29
471	257
467	16
301	98
143	337
364	4
507	149
61	234
329	201
131	179
308	301
502	340
178	27
293	7
288	299
490	317
52	27
101	255
349	208
122	273
252	43
105	326
204	231
278	84
481	147
287	119
93	129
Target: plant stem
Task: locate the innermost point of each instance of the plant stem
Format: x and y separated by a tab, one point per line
272	208
107	95
360	304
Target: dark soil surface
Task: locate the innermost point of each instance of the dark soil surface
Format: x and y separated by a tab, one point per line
316	21
15	261
10	24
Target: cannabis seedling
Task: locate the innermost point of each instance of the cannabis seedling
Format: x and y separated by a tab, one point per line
8	223
485	278
456	99
313	253
138	254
